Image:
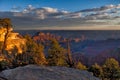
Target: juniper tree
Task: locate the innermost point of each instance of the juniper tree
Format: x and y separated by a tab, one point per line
33	53
5	23
56	54
111	69
97	70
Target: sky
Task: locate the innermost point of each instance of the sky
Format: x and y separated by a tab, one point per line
62	14
70	5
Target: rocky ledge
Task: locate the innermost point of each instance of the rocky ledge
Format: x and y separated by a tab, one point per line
33	72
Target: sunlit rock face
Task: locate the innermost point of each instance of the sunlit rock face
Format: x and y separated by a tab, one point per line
13	40
2	33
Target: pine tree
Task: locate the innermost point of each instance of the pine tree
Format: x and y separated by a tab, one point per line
34	52
97	70
56	54
111	69
1	43
5	23
39	57
69	59
80	66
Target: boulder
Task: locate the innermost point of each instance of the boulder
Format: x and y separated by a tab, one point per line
34	72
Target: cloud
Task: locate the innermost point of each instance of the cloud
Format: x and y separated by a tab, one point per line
30	7
32	17
103	8
16	9
96	16
40	13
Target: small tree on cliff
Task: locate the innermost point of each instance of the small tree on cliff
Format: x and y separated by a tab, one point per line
80	66
1	43
39	57
56	54
6	23
34	51
111	69
69	59
97	70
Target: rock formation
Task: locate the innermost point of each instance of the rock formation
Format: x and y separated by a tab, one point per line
33	72
13	40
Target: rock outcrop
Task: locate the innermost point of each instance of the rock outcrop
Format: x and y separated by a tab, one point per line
33	72
13	40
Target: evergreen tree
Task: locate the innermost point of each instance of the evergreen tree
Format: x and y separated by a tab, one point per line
69	59
111	69
39	57
6	23
56	54
1	43
97	70
81	66
34	52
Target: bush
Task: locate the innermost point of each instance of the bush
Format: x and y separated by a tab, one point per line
3	65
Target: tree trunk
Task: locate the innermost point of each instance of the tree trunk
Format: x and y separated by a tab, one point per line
69	56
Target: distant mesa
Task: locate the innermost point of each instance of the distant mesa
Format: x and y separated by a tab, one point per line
41	36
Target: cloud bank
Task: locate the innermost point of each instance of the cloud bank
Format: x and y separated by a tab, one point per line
105	17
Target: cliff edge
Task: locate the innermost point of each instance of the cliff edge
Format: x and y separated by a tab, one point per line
33	72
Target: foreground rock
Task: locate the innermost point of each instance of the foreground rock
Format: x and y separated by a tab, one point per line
33	72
